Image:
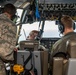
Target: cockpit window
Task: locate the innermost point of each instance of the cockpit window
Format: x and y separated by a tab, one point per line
50	30
19	14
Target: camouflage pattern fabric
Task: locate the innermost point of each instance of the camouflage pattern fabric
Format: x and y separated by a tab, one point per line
2	68
7	40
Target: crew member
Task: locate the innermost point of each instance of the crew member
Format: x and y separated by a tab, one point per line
66	28
7	36
32	36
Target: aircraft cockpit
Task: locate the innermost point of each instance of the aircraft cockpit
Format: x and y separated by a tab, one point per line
43	16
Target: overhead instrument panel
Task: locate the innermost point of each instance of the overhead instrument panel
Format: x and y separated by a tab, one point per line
50	9
56	8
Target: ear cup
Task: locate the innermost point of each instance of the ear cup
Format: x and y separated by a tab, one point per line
60	26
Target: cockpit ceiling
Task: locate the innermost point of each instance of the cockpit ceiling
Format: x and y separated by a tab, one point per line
50	9
56	1
3	2
19	2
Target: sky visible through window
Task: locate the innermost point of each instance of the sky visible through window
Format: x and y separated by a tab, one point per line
50	29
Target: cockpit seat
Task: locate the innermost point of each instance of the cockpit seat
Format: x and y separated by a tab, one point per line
57	66
71	66
62	66
71	48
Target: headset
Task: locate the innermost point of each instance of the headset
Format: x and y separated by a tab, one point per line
61	25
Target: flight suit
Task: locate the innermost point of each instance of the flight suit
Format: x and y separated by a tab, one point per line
60	45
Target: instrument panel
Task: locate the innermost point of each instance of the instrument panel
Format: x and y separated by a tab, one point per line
48	42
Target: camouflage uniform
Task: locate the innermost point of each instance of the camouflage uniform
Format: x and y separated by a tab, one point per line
7	40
